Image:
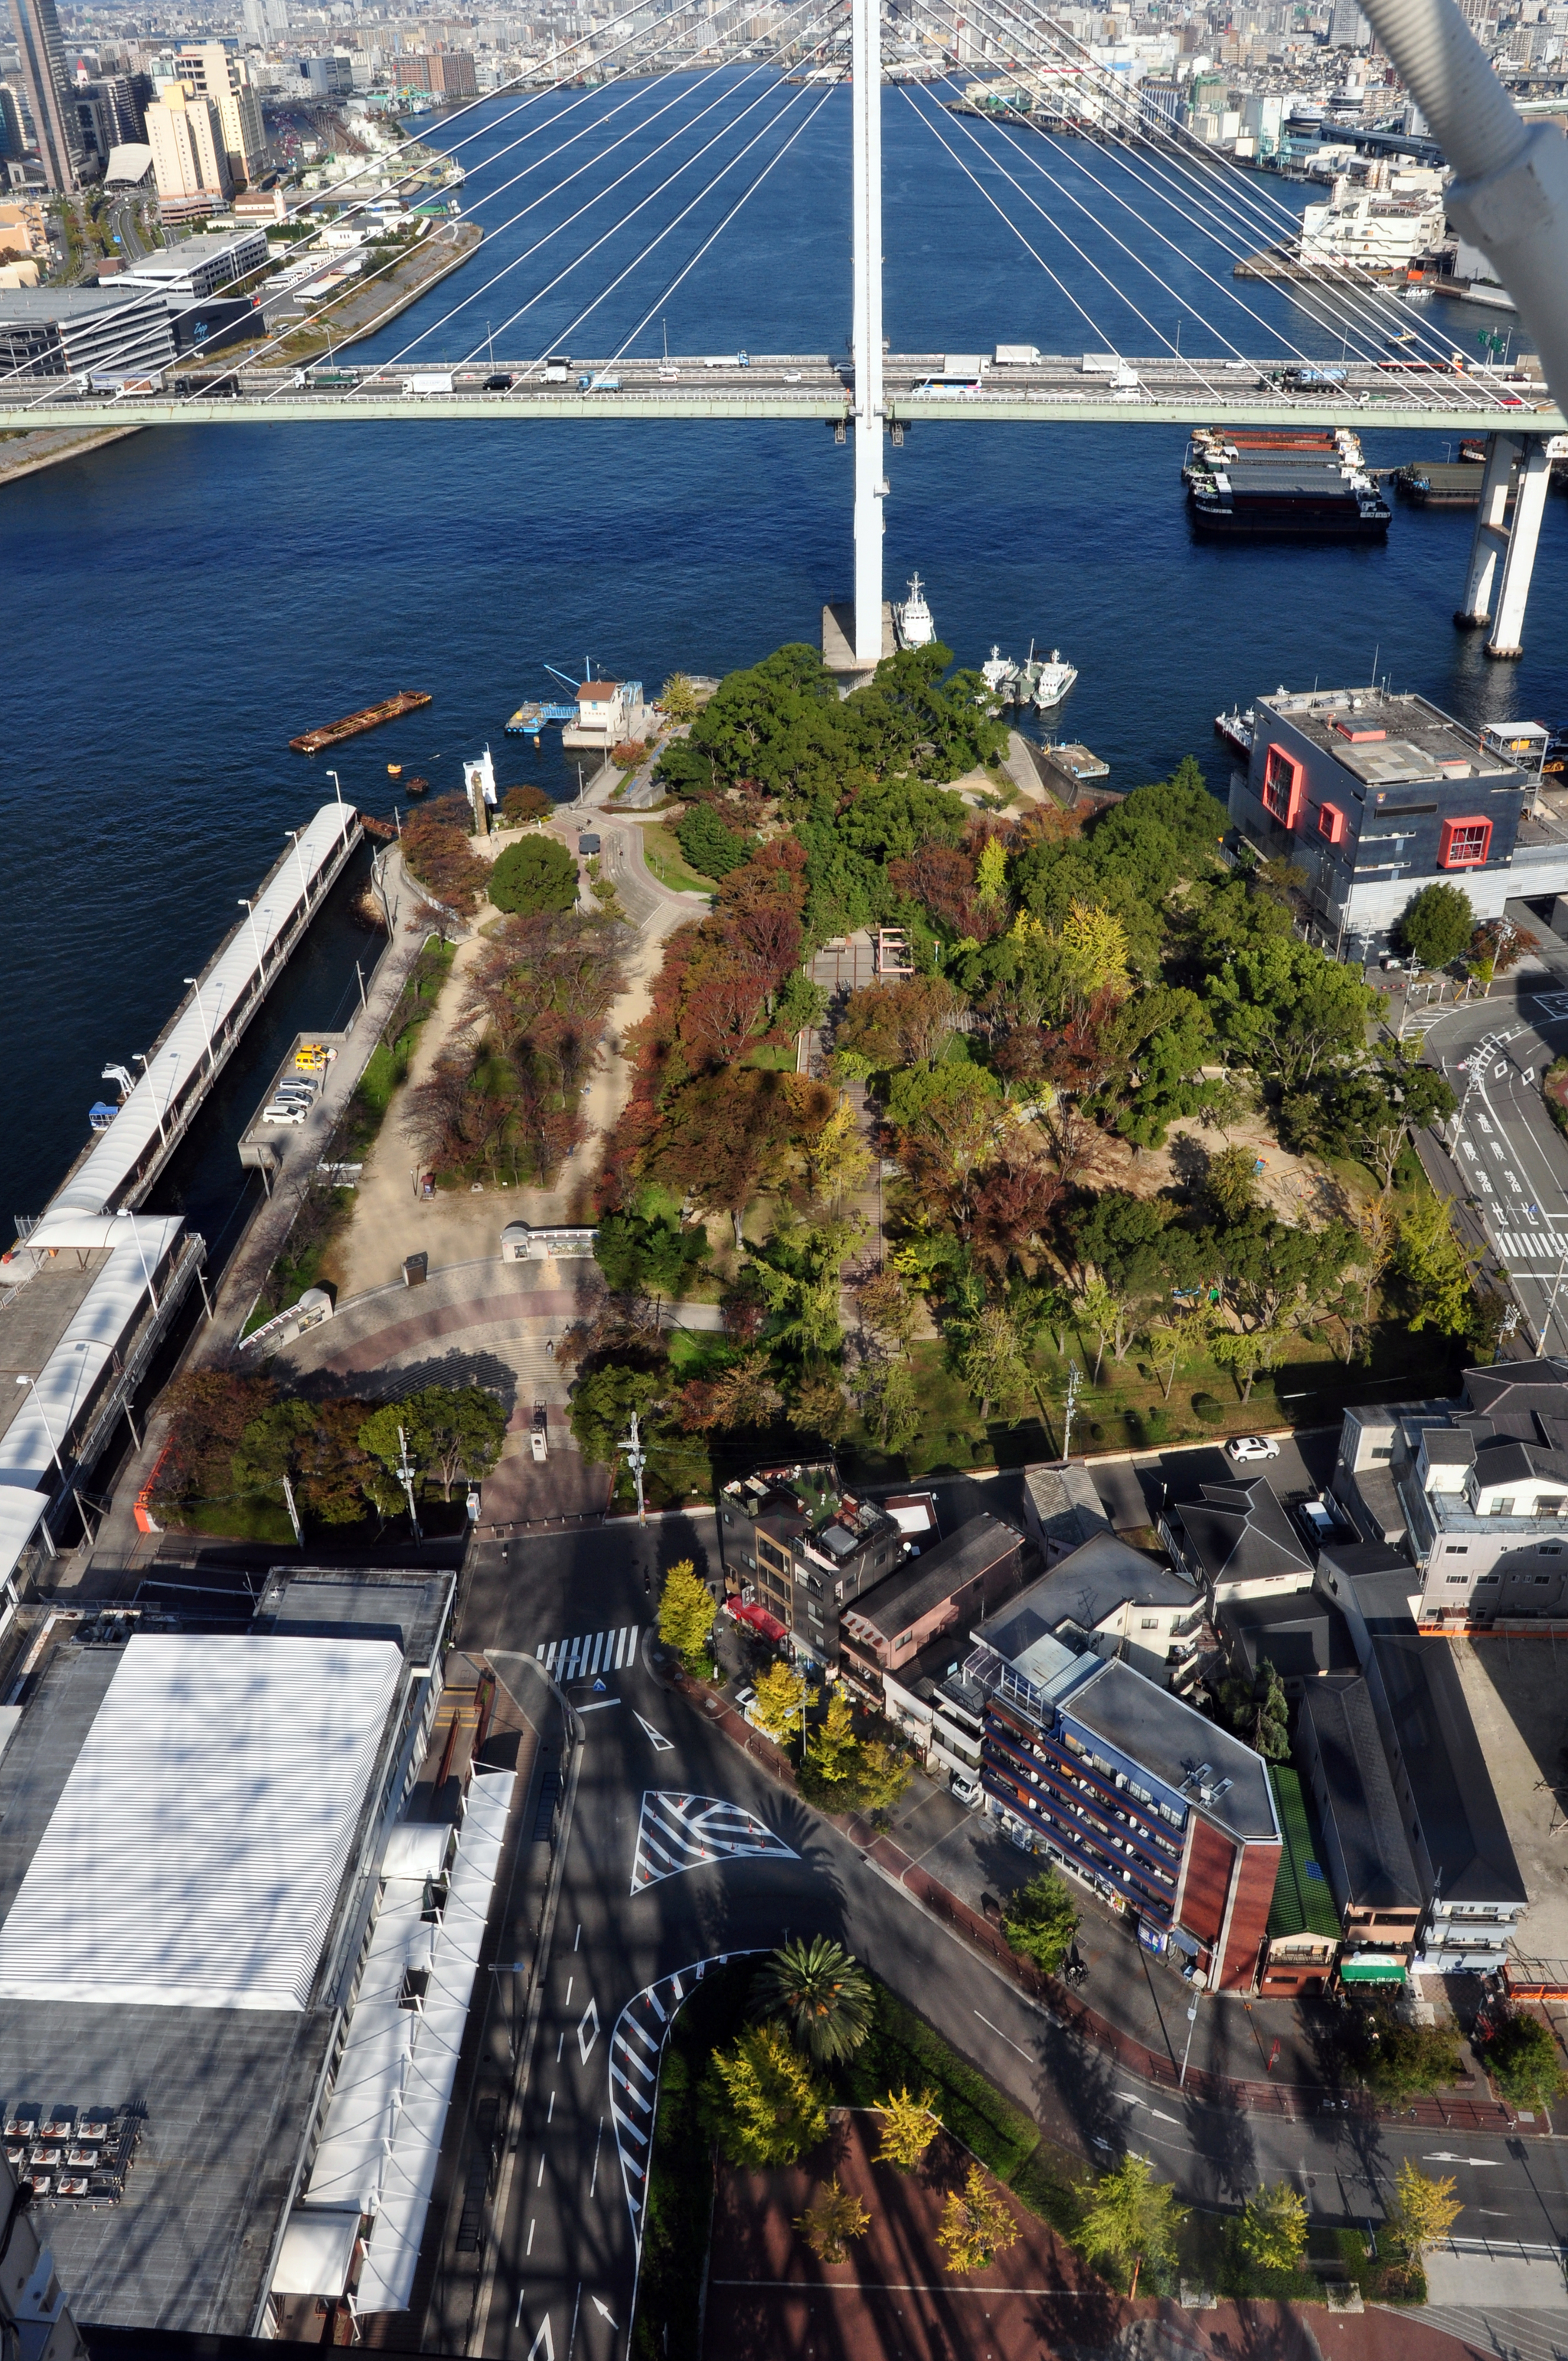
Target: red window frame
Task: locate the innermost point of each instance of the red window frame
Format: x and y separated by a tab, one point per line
1465	842
1330	822
1283	783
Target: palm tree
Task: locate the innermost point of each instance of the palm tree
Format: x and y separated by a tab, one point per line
823	1996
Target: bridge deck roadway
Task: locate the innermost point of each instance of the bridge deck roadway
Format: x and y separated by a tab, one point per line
1056	391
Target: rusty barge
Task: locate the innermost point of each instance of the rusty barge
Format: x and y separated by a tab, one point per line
313	742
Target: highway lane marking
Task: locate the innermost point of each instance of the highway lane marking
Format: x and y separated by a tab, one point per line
560	2045
532	2225
571	2342
540	2183
1004	2037
595	2181
586	1653
603	1706
677	1831
588	2030
550	2115
567	2002
656	1738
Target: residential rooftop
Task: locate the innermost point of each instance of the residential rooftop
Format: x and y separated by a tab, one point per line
1444	1762
1239	1531
902	1597
1358	1806
1191	1756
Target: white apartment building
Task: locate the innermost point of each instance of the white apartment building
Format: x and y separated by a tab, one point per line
190	161
209	70
1367	227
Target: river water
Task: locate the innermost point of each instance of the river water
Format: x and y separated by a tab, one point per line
180	604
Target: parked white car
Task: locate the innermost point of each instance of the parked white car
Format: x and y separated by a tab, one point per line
965	1790
281	1112
1244	1448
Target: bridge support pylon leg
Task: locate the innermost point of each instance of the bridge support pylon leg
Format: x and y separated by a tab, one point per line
1530	505
1491	537
866	342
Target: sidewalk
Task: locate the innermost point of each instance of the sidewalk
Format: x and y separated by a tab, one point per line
1294	2100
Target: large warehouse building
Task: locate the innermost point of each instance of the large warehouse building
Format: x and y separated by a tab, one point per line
205	1872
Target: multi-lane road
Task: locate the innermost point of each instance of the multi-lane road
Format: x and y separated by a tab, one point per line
676	1850
1505	1154
1083	388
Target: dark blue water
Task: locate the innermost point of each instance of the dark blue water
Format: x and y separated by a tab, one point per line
180	604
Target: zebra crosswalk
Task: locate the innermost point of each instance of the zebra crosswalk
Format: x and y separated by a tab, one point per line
679	1831
584	1657
1541	1246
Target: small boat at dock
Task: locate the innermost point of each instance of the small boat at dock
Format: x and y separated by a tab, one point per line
1236	728
1039	681
913	623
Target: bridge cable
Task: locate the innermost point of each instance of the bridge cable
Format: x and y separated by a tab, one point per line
669	227
347	293
1228	293
1060	284
1122	246
1375	310
686	268
690	122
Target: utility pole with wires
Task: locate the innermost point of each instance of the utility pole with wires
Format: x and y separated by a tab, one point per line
406	1472
1074	1386
637	1460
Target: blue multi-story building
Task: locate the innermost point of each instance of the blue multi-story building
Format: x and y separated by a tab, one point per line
1169	1819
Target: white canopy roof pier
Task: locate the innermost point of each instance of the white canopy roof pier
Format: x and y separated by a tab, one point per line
196	1854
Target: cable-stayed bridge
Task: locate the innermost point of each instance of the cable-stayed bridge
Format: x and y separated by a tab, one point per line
1126	226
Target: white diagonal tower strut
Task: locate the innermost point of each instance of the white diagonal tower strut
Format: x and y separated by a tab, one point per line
866	333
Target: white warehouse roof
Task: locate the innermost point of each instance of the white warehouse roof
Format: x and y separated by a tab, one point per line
196	1852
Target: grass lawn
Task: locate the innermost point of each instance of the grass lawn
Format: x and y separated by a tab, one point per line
1126	1408
668	863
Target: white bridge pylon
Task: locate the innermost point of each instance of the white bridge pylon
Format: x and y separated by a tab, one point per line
871	485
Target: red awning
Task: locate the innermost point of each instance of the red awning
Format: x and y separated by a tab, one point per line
759	1621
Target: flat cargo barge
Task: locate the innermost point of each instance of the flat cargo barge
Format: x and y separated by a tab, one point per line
407	700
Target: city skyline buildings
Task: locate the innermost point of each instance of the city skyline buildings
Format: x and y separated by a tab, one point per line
42	53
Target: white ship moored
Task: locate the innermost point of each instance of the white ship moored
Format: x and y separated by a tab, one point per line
912	620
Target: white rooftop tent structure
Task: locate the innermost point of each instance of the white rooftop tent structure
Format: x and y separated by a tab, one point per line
381	2138
196	1854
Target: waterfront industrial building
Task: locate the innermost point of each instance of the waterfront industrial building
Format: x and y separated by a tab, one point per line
1376	796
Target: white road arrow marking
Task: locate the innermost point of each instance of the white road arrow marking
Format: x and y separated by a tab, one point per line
588	2030
656	1738
1481	2163
605	2314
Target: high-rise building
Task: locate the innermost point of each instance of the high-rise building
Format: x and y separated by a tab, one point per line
43	72
12	138
190	161
210	71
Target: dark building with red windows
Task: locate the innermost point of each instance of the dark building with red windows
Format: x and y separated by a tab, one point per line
1376	796
1169	1819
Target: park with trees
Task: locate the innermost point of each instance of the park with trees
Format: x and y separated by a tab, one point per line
1120	1114
763	2058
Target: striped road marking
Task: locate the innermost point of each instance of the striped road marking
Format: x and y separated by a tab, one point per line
636	2049
590	1653
679	1831
1549	1245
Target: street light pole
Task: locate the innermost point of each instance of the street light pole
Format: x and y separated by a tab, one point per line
1199	1982
407	1471
337	784
206	1021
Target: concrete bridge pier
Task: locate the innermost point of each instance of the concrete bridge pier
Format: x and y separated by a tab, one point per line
1487	602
